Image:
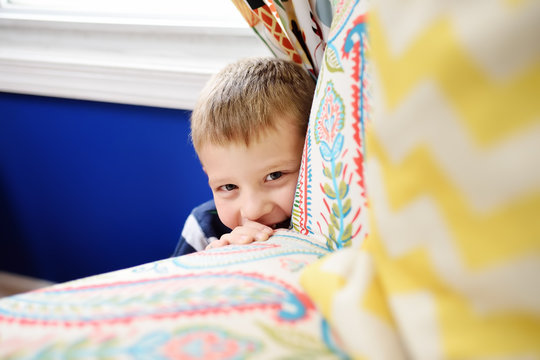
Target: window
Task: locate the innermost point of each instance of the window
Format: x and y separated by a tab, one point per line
207	12
124	51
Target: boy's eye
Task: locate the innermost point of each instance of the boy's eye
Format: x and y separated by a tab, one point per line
274	176
228	187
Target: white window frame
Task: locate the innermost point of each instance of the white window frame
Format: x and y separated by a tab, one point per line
116	60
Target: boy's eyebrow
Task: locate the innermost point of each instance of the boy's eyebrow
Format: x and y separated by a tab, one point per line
284	163
220	180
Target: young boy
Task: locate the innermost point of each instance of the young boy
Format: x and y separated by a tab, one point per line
248	129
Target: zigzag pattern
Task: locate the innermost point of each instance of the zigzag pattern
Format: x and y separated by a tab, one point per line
400	73
459	264
482	191
483	176
454	186
511	21
470	166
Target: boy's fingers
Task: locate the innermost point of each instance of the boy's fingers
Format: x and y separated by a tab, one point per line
232	238
238	238
262	236
217	243
256	226
245	234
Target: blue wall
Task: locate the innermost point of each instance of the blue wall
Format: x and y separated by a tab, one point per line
89	187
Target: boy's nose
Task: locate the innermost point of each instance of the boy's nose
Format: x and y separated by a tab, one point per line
255	207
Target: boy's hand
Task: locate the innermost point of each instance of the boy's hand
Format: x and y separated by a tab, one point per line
249	232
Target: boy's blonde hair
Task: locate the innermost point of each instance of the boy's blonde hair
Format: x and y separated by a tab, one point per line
245	99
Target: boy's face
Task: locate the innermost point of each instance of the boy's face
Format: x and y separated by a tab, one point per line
255	182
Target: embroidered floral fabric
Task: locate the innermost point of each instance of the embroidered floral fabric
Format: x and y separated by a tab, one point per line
227	303
330	197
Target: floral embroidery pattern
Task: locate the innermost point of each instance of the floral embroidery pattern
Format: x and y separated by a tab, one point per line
329	123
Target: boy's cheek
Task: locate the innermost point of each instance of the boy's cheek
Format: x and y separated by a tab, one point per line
226	214
289	199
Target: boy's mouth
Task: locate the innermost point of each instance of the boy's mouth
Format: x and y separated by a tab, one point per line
282	225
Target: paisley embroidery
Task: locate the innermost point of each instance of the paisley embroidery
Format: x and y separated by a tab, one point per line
172	296
189	343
